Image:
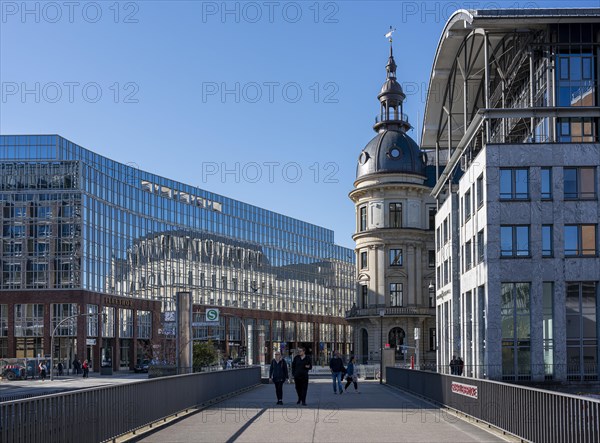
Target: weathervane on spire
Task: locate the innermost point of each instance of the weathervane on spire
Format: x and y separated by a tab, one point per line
389	34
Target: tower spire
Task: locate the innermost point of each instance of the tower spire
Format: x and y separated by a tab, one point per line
389	36
391	96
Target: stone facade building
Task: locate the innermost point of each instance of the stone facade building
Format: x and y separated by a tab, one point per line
513	112
394	238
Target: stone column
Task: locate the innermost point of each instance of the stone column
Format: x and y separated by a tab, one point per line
381	266
410	275
419	276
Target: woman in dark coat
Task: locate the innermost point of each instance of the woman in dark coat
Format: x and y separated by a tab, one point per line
278	374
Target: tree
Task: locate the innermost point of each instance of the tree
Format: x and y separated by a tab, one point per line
204	354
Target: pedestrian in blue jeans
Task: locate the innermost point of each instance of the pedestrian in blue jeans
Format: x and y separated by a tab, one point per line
337	369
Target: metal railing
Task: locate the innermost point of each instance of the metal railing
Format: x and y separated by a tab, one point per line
533	372
393	310
393	117
528	413
100	414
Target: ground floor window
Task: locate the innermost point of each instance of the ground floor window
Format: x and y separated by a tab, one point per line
125	348
516	330
3	347
582	335
65	349
396	340
107	352
30	347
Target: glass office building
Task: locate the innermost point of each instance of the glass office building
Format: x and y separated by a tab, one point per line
82	233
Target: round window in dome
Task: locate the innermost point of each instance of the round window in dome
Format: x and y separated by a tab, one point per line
394	153
363	157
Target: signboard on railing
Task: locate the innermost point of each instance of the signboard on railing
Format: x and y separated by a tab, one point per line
466	390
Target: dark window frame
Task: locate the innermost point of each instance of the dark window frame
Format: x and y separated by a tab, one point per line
396	260
395	215
513	194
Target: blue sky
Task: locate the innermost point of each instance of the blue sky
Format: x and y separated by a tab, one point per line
266	102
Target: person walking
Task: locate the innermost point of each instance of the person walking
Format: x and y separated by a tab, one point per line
337	368
453	363
86	369
60	368
43	369
300	367
278	374
460	365
351	375
76	365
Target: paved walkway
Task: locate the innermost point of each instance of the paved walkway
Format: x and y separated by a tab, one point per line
377	414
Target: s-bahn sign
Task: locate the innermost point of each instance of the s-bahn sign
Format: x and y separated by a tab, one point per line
212	315
466	390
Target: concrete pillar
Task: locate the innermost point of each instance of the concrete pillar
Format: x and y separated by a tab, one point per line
184	332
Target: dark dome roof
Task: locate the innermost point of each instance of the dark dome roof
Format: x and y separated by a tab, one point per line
391	152
391	86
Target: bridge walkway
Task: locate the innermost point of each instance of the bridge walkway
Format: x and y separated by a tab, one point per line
378	414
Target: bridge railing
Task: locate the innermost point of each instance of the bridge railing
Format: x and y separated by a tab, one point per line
104	413
528	413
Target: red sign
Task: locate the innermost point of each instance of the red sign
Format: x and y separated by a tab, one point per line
387	346
466	390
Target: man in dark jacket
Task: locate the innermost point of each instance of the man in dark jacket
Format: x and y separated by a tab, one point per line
300	367
278	374
337	369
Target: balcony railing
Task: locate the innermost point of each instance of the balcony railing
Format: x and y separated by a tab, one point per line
392	118
374	311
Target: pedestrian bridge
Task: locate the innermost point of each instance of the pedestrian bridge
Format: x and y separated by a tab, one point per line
233	405
378	414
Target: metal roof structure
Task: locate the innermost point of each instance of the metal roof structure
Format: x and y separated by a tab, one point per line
484	56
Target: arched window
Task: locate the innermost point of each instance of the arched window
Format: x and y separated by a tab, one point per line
396	339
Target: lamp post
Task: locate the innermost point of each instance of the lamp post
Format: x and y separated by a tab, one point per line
70	317
381	314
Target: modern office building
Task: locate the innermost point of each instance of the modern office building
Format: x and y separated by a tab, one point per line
84	234
395	216
512	109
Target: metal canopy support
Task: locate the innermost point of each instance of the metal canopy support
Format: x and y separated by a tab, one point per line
464	142
500	113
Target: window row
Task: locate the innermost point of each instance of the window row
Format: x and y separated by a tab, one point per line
394	217
29	321
395	258
579	240
578	183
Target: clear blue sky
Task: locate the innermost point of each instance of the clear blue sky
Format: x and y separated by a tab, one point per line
162	67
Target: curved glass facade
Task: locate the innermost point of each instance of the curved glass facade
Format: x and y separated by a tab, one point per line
73	219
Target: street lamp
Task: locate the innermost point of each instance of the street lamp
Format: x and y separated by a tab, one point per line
70	317
381	314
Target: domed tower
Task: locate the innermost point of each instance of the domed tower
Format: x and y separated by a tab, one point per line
394	238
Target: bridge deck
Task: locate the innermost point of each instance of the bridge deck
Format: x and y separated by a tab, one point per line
377	414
